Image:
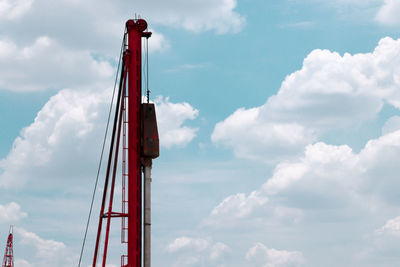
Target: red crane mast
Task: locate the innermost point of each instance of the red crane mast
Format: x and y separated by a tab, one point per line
134	122
8	260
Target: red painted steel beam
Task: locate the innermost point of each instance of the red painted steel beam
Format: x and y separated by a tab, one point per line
136	30
109	167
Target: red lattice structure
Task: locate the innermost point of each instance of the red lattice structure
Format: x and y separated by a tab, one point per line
8	260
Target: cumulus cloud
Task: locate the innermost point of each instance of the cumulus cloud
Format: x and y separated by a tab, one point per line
171	117
387	13
194	15
102	30
11	213
22	263
47	252
329	93
328	187
190	251
64	139
14	9
236	207
63	136
260	255
382	245
45	64
219	250
250	136
326	176
392	227
316	156
51	56
180	243
158	42
7	49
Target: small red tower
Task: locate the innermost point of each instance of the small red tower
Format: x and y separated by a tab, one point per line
8	260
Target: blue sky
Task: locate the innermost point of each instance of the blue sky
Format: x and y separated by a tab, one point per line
279	124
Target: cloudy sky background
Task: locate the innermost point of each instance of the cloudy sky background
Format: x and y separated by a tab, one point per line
279	124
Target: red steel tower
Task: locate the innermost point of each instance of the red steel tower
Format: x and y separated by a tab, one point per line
134	123
8	260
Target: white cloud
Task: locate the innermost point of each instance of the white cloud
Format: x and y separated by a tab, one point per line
22	263
383	12
391	227
11	213
388	13
322	185
187	261
330	93
381	246
236	207
157	42
184	242
260	255
103	28
171	117
219	250
328	187
253	137
191	251
46	64
65	138
326	176
48	252
14	9
45	248
52	56
195	15
320	154
7	49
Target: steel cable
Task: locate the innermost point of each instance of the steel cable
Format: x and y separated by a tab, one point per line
102	152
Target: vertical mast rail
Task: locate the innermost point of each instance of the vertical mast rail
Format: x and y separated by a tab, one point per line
135	29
